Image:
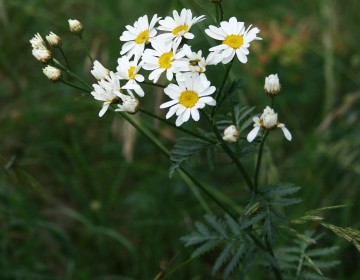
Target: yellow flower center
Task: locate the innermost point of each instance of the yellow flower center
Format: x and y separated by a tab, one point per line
165	60
179	29
188	98
143	37
234	41
131	72
194	62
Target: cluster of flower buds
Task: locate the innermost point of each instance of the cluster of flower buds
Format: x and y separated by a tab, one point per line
39	49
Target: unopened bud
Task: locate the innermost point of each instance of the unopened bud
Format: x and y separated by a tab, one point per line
53	40
75	26
231	134
52	73
42	55
272	85
37	42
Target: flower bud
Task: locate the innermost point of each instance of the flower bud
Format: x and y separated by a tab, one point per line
37	42
42	55
75	26
269	118
130	104
231	134
52	73
53	40
272	85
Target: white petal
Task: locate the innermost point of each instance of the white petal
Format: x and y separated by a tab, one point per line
195	114
286	132
168	104
104	109
252	134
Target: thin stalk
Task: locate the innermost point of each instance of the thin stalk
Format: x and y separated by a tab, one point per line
176	268
275	268
231	154
86	48
272	102
161	147
217	13
72	74
177	127
74	86
64	56
218	95
221	12
153	84
258	161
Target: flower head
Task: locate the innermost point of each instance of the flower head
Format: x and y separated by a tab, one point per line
231	134
108	91
272	85
53	40
128	70
129	104
52	73
178	26
37	42
99	71
75	26
163	58
137	36
268	120
187	98
235	39
42	55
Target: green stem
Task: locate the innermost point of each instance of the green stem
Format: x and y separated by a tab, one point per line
177	268
272	102
72	74
166	152
219	93
274	267
86	48
258	161
161	147
177	127
231	154
153	84
221	12
75	86
64	56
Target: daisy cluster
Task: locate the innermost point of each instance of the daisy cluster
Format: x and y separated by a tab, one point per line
159	45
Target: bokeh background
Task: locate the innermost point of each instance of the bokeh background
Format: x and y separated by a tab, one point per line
88	198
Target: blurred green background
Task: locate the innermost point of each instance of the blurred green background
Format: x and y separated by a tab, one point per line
79	200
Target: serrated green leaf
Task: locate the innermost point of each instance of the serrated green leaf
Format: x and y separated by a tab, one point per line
217	225
184	149
233	264
225	254
206	247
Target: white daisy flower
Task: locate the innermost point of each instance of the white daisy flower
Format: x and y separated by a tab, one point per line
272	85
163	58
268	120
128	70
235	39
99	71
108	91
196	63
178	26
187	98
137	36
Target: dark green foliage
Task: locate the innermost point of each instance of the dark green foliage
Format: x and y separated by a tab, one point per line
303	261
185	148
227	237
